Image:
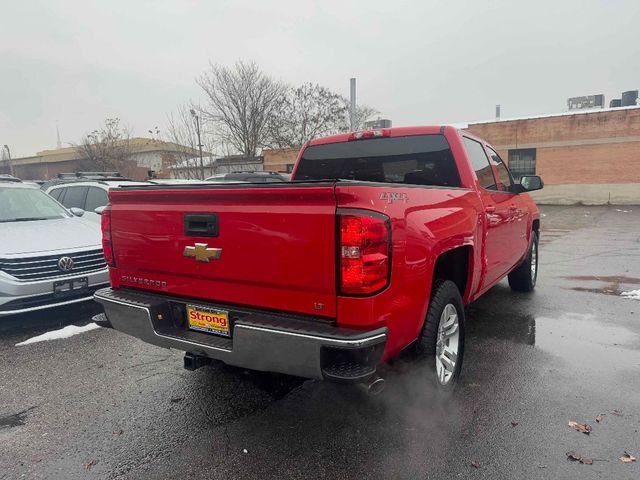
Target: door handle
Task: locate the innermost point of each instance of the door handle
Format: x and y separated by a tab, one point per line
490	209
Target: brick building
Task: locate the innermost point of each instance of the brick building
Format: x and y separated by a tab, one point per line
592	157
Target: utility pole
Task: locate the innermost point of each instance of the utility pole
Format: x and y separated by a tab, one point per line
6	147
197	119
352	113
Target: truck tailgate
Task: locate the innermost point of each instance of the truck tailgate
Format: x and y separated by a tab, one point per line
277	244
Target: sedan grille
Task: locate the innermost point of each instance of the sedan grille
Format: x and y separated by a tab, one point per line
40	268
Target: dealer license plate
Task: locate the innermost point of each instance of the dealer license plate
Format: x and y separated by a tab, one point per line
73	285
208	320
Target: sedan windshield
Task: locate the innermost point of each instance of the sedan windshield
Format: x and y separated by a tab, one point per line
25	204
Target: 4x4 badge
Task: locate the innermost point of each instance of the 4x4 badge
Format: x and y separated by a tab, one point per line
201	253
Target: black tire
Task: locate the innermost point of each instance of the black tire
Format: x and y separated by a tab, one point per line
445	293
523	278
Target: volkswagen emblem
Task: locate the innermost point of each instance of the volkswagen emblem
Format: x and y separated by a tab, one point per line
65	264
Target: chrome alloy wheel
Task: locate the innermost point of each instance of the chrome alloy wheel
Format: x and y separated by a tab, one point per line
447	344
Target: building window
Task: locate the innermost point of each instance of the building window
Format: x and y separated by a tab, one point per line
522	162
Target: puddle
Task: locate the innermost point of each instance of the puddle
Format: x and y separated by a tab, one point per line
609	279
612	286
612	289
14	420
581	339
590	344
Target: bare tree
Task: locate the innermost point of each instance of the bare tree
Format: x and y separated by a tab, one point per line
107	148
304	113
363	113
241	100
181	130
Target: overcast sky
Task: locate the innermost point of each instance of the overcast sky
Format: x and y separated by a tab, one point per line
418	62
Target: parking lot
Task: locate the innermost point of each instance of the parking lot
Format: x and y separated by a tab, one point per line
105	405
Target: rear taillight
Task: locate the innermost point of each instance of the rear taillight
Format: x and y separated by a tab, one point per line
365	252
107	246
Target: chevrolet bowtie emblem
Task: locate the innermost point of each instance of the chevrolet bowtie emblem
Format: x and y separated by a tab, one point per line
202	253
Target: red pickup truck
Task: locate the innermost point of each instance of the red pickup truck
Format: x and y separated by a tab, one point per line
376	245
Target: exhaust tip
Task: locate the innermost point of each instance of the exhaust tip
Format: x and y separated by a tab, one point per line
374	386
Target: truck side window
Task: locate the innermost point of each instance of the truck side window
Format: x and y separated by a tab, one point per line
413	160
503	172
480	164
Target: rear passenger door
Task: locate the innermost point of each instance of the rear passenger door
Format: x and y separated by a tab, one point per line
498	250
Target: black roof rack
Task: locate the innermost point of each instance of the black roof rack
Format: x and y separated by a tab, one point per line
92	175
100	177
253	172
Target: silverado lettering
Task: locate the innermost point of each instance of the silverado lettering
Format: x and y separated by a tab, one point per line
319	278
143	281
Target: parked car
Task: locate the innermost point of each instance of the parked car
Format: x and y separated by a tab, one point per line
48	256
375	246
8	178
247	177
85	190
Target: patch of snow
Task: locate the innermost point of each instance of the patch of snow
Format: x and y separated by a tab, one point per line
66	332
623	211
633	294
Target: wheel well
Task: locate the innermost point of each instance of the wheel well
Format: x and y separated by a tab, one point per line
454	265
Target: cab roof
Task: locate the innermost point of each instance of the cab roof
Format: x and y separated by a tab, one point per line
389	132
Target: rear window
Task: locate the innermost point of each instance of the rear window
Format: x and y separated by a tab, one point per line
414	160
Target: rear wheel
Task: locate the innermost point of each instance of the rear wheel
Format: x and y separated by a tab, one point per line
443	334
524	277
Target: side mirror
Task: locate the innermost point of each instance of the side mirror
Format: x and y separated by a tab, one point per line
99	210
530	183
78	212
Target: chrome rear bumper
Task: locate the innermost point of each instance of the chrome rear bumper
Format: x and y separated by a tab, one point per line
267	341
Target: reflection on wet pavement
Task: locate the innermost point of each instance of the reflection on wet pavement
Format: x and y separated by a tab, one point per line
611	287
590	344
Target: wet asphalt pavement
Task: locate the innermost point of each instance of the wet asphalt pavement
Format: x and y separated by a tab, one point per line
105	405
